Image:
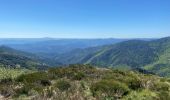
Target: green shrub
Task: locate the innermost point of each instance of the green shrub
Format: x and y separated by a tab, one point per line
45	82
162	86
144	94
78	76
110	88
164	95
22	91
6	81
27	88
71	71
63	85
60	73
33	77
39	89
134	83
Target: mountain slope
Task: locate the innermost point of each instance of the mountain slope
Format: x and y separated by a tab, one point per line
132	53
151	55
162	65
14	58
128	52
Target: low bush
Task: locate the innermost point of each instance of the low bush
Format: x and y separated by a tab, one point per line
45	82
78	76
164	95
22	91
162	86
6	81
110	88
134	83
33	77
63	85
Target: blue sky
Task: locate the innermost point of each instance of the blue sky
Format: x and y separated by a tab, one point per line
84	18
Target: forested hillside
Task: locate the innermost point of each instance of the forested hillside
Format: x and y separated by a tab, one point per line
10	58
150	55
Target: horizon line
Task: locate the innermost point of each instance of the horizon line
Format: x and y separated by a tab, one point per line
81	38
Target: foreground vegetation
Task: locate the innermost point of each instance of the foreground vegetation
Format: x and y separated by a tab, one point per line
12	73
84	82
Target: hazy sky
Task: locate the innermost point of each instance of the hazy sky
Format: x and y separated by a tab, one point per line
84	18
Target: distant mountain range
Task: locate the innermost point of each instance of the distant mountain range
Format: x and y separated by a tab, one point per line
50	47
151	55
